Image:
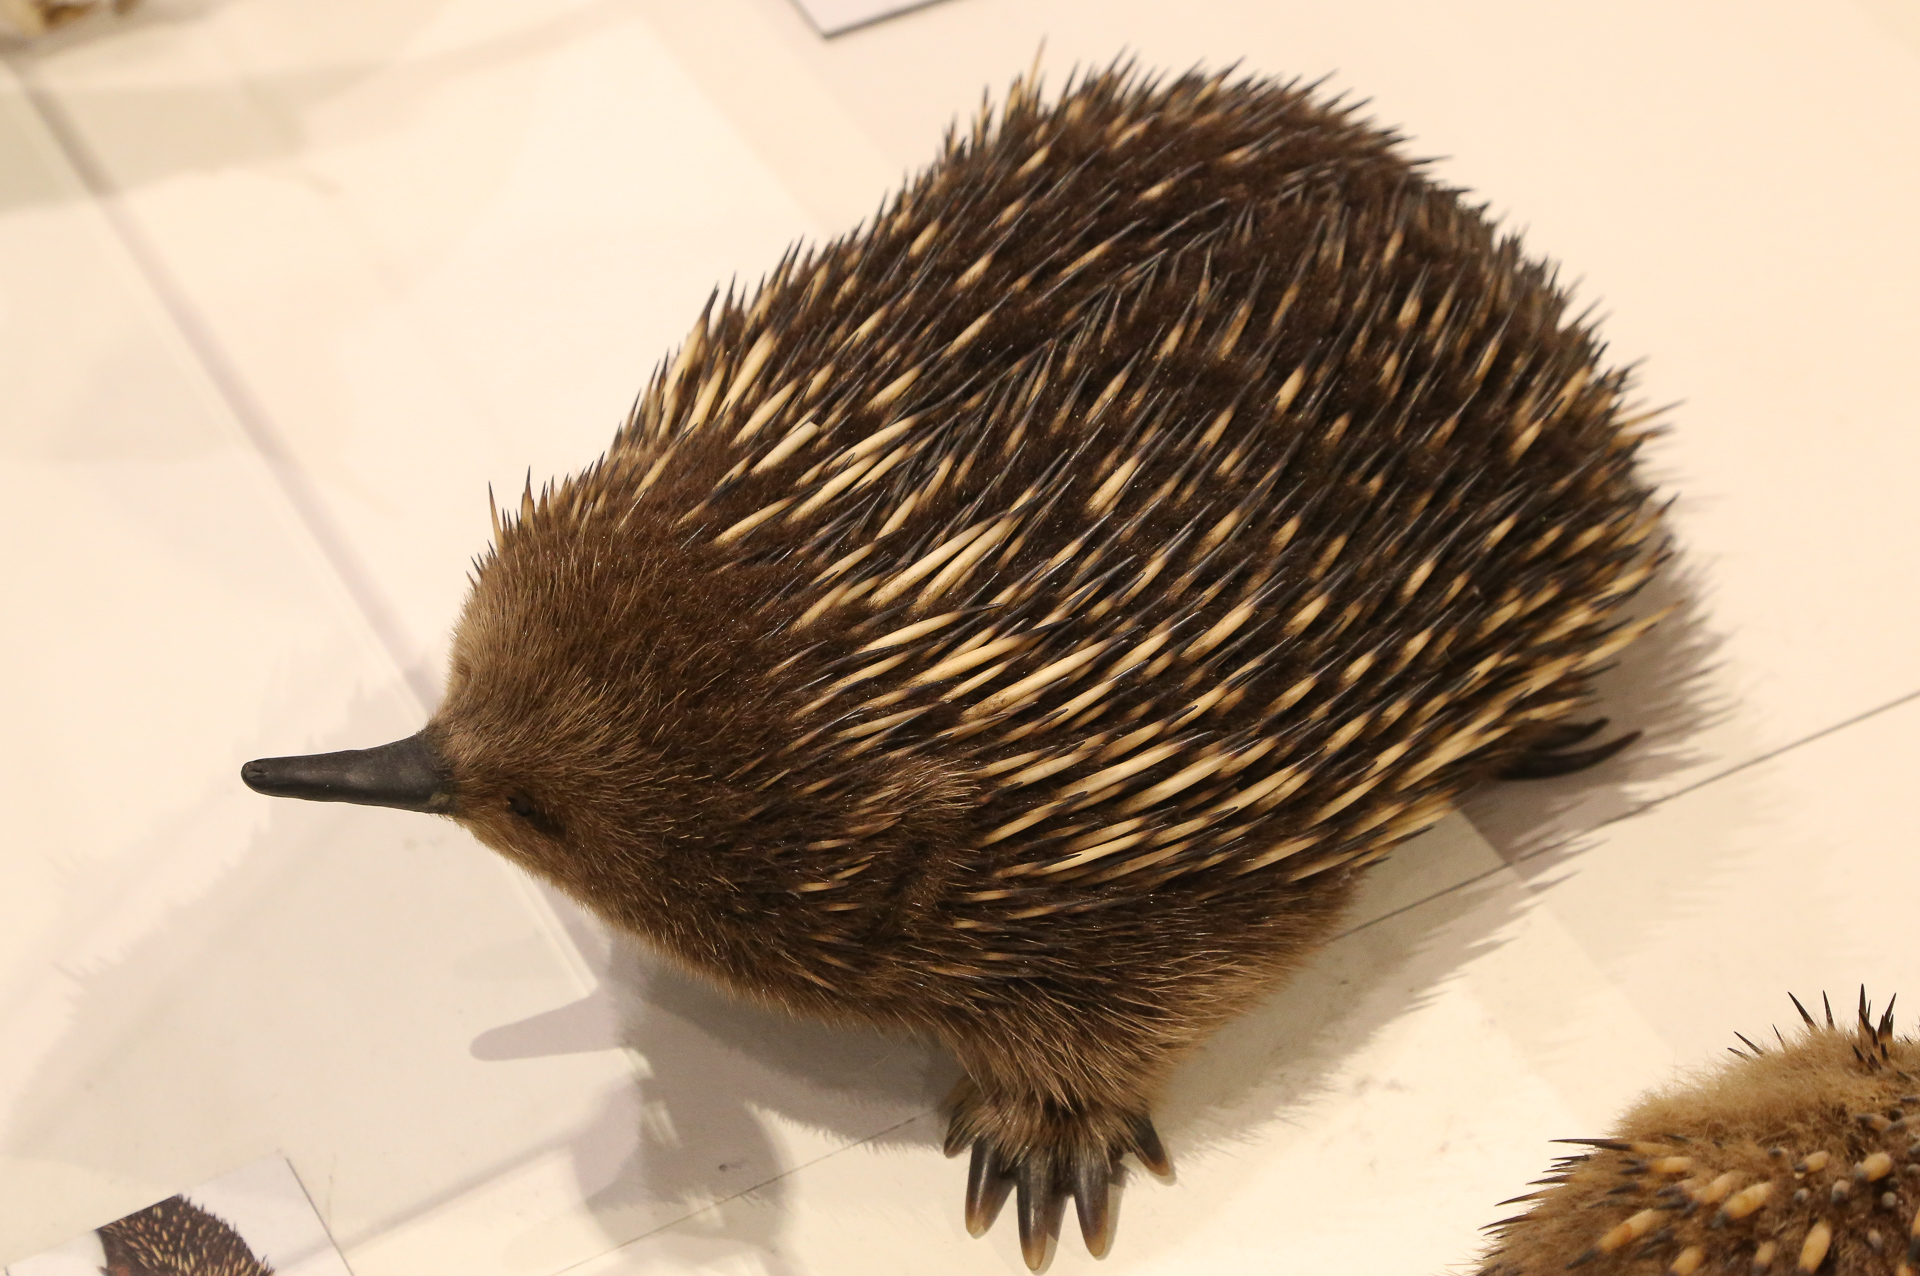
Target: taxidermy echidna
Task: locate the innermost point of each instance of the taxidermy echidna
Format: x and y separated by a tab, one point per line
176	1238
1020	621
1793	1160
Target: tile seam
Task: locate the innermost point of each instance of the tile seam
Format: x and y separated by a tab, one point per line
714	1205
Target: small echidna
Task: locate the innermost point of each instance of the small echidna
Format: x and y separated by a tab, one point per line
1793	1160
1020	621
176	1238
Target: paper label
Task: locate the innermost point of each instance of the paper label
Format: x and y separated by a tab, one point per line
256	1221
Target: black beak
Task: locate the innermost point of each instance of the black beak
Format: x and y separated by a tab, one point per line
409	774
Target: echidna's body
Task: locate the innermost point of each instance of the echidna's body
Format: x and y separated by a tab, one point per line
1795	1160
1019	621
177	1238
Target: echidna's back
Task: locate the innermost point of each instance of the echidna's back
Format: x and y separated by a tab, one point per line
994	252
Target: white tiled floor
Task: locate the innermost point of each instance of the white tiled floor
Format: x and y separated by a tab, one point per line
284	286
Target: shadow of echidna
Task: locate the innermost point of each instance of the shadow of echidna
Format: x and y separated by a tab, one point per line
177	1238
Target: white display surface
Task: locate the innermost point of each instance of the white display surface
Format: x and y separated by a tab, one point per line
284	286
190	980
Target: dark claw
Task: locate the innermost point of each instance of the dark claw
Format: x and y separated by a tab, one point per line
1542	765
1039	1210
1147	1146
988	1180
1566	735
1092	1179
958	1133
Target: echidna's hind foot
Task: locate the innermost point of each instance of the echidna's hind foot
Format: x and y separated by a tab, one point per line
1072	1154
1553	753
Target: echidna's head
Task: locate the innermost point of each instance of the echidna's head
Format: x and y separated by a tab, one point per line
595	708
619	720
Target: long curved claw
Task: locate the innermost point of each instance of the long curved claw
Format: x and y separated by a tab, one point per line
1147	1146
1567	734
1541	765
1092	1183
989	1178
1082	1162
1039	1203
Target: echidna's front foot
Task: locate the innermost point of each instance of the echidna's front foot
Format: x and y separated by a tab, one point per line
1554	755
1044	1152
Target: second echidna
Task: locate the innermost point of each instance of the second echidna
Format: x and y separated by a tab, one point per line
1796	1160
1021	621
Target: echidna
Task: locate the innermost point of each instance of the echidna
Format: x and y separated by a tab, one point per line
37	17
177	1238
1021	620
1798	1159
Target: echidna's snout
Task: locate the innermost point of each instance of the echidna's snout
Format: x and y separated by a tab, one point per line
409	774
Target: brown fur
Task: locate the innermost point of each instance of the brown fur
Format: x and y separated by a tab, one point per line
1664	1192
177	1238
1306	467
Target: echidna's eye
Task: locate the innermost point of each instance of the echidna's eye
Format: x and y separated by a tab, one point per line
533	815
